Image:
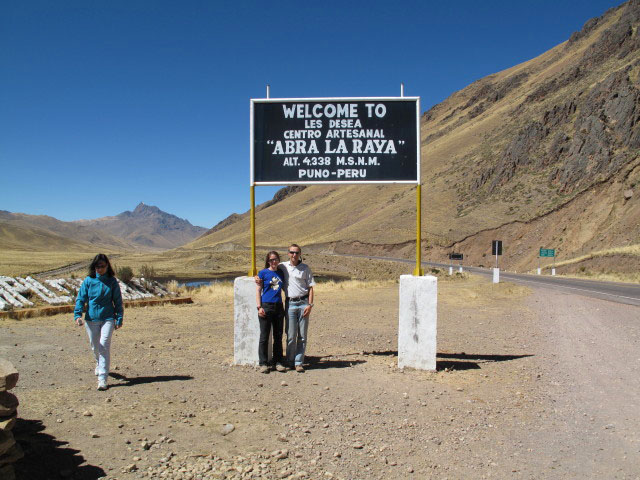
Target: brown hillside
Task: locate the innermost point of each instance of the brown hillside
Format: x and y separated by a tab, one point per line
537	155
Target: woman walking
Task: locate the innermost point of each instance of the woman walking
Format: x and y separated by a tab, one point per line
101	292
270	311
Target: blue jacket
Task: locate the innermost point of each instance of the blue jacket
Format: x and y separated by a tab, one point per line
104	298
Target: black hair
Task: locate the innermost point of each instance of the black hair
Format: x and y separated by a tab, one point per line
266	260
101	257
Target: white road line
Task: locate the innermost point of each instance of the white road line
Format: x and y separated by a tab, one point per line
573	288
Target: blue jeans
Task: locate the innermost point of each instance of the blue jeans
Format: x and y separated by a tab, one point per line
296	331
100	338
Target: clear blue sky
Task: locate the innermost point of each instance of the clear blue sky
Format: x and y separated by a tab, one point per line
107	104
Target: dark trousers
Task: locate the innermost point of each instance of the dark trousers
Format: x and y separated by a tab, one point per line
272	320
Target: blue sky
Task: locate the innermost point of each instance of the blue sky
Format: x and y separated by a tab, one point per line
104	104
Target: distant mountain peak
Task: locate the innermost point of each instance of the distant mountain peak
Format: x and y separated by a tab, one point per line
144	209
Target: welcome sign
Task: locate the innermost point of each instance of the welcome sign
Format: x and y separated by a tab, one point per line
335	140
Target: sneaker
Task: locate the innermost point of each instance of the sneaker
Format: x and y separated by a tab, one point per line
280	367
299	368
264	368
102	385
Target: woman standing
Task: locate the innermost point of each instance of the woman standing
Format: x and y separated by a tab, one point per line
100	290
270	311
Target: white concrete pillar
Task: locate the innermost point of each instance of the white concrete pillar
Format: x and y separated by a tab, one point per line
450	270
496	275
539	270
418	316
460	268
553	272
246	327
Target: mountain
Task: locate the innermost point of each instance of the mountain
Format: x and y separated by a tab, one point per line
148	227
542	154
20	231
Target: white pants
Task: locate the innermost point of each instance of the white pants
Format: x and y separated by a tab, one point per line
100	339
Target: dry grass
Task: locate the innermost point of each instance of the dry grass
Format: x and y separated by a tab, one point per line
21	263
628	250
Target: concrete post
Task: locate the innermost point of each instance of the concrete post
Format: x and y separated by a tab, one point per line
417	328
496	275
246	327
553	272
539	270
460	268
450	270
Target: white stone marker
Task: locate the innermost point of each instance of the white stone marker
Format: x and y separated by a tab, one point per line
450	270
460	268
539	271
496	275
246	327
417	327
553	272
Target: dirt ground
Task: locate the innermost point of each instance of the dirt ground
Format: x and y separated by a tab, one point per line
530	384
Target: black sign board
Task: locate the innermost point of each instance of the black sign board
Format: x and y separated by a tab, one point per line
496	247
335	140
455	256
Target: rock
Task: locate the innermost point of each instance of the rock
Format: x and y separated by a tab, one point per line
12	455
283	383
227	429
409	469
357	445
87	413
130	468
628	194
8	404
8	375
7	423
94	435
7	473
6	442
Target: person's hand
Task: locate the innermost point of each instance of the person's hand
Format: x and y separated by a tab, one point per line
261	312
118	326
258	280
79	321
307	310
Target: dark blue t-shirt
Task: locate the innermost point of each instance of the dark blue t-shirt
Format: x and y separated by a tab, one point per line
272	283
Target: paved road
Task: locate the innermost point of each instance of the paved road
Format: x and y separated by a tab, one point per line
628	293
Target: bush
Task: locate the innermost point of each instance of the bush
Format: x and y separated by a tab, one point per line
147	272
125	274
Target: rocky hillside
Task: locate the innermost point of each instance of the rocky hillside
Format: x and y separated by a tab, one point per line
147	226
542	154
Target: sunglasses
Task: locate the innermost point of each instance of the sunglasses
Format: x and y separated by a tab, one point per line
294	253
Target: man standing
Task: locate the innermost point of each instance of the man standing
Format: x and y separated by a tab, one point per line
299	283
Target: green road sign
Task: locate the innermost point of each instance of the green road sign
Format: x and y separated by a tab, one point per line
547	252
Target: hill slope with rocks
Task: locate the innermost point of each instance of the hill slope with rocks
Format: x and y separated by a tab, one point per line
542	154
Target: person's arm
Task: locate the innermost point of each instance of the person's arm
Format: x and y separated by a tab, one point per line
259	298
80	301
307	309
117	303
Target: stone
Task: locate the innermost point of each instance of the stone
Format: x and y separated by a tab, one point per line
14	454
8	404
87	413
6	442
628	194
417	322
94	435
246	329
357	445
7	423
8	375
227	429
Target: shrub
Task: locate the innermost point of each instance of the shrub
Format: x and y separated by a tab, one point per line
125	274
147	272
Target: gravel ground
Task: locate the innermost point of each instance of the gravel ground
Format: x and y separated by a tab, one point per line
530	384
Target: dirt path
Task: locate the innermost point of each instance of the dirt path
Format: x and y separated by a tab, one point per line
521	392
